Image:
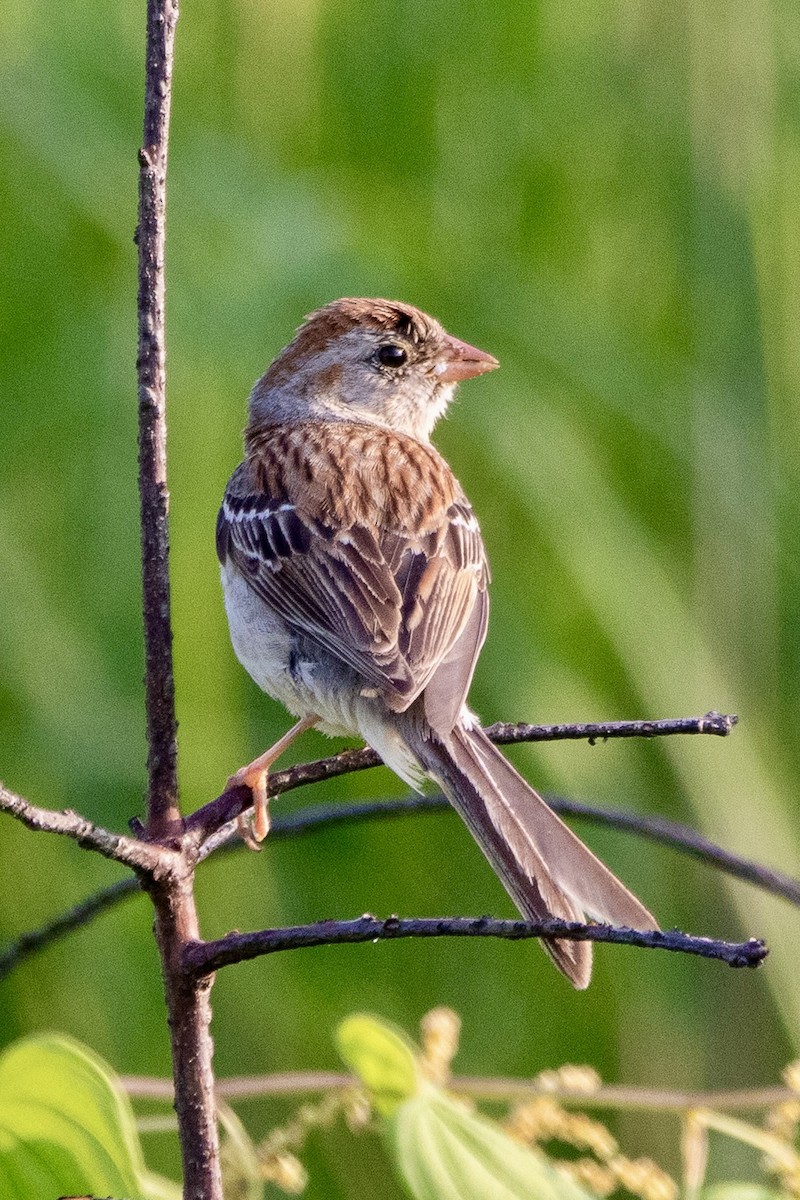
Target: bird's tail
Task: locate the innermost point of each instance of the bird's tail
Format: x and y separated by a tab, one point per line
545	868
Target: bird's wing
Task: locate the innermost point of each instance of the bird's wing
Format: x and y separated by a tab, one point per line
363	541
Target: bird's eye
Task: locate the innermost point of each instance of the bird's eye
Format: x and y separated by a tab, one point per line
390	355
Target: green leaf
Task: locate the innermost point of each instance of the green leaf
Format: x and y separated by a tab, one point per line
66	1126
382	1056
444	1151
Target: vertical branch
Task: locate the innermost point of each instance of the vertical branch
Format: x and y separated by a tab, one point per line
163	813
189	1008
172	890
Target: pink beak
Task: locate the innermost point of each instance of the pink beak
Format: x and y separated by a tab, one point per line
462	361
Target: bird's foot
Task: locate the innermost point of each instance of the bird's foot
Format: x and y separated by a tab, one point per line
255	776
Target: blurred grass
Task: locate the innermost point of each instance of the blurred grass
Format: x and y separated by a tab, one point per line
606	198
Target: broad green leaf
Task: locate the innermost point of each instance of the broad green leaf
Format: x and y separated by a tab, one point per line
67	1127
444	1151
383	1058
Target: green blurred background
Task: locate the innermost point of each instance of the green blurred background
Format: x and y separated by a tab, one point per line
605	196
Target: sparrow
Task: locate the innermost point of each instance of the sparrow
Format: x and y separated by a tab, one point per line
355	584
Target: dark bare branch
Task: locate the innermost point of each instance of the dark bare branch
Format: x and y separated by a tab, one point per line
227	807
202	958
714	723
687	841
28	944
189	1009
176	914
681	838
163	814
678	837
145	859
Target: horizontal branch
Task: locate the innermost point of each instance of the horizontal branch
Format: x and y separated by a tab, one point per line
233	802
149	860
484	1087
203	958
713	723
308	820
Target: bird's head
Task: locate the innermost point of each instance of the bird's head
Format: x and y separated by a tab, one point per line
377	361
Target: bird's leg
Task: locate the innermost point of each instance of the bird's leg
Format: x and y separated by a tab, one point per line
255	776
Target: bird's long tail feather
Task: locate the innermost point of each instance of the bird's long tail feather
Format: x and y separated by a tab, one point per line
545	868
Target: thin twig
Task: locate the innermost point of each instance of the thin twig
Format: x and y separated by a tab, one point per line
202	958
30	943
232	803
681	838
486	1087
685	840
